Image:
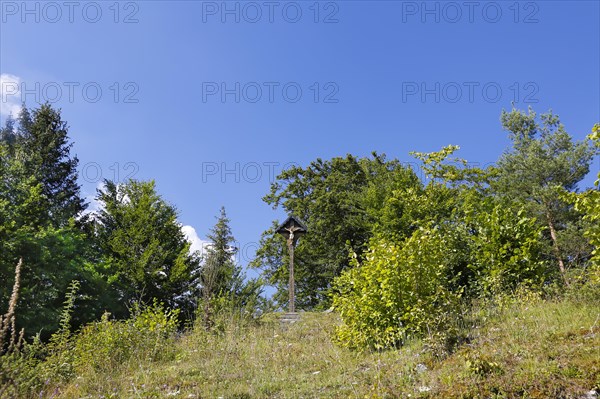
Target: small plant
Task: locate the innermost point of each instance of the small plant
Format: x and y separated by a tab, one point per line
480	365
13	364
58	366
10	341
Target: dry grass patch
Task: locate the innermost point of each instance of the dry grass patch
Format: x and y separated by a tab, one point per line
525	350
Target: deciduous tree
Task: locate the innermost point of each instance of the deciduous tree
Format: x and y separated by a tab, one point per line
340	200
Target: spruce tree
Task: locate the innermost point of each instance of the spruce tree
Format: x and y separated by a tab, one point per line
8	135
145	255
221	277
43	143
219	267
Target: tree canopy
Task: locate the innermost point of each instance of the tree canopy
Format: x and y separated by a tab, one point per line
145	254
340	200
393	253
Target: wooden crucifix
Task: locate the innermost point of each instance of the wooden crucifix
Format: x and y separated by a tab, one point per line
292	229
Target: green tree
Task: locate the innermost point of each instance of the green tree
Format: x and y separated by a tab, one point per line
222	279
8	135
219	269
53	255
339	199
43	143
543	162
145	254
588	203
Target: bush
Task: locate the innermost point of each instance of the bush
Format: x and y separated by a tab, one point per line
36	368
19	371
110	344
505	248
584	286
398	292
99	348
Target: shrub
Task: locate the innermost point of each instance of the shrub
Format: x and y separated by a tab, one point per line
398	292
505	248
18	359
111	344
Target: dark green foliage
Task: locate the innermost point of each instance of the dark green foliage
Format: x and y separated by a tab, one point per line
43	144
8	135
223	280
52	258
341	200
133	251
219	272
145	255
39	204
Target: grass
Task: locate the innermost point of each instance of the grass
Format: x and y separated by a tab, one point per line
540	350
528	349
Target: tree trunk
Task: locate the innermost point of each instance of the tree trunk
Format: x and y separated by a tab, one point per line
557	252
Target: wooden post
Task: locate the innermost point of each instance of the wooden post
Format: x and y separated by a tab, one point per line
292	229
292	307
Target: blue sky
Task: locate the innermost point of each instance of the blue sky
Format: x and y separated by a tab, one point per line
211	99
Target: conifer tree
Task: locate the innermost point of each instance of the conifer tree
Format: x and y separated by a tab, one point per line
221	276
145	254
44	144
543	162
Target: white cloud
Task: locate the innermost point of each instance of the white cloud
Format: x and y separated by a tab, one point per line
198	244
95	206
10	95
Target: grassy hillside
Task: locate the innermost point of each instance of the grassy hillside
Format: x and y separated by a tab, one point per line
525	349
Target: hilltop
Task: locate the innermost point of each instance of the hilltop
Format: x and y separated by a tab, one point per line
523	349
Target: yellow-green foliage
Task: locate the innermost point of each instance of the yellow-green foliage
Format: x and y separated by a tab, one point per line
398	292
100	348
109	344
505	249
588	203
